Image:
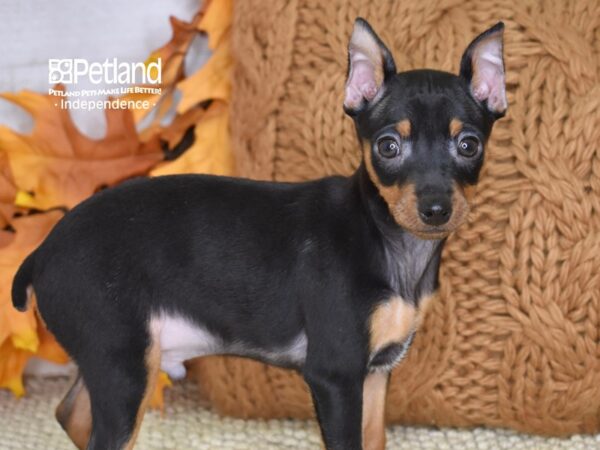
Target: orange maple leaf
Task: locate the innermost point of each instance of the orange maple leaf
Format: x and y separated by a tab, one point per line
8	192
13	361
157	400
211	82
29	233
56	165
172	57
210	152
20	334
216	22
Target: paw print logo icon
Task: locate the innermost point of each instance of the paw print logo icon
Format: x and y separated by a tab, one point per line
60	71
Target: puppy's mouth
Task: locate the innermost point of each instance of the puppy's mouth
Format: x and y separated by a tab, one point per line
431	233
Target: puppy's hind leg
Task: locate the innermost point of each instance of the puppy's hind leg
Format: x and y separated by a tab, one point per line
120	385
74	413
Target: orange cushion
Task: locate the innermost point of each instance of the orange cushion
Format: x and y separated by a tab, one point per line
514	339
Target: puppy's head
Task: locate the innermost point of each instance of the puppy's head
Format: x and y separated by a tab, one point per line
423	132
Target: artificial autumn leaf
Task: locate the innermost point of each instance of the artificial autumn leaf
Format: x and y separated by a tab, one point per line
6	237
60	165
8	192
217	21
210	152
157	400
12	365
173	133
30	231
211	82
13	360
49	349
172	57
20	334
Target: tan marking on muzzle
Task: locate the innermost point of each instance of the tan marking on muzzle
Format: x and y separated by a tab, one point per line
460	204
403	203
469	191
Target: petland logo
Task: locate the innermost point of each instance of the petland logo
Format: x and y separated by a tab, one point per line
71	71
121	82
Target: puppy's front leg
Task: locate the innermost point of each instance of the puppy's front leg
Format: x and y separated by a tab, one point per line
373	422
338	402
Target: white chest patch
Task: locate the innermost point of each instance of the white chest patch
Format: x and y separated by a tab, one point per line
181	339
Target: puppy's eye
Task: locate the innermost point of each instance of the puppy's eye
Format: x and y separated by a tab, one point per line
468	146
388	148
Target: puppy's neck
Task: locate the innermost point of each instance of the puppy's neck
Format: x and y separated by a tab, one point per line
412	262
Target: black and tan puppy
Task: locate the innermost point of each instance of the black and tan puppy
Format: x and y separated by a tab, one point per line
330	277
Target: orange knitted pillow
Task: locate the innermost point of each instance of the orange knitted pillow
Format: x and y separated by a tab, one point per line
514	339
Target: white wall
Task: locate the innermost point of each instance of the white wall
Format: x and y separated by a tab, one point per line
32	31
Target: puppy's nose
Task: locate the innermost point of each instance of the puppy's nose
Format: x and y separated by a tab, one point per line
435	211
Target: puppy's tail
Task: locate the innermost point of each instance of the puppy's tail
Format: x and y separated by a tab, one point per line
21	287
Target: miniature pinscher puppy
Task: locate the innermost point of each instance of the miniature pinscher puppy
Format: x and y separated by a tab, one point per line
330	277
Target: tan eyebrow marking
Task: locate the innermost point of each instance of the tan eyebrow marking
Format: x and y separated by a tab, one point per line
403	127
455	127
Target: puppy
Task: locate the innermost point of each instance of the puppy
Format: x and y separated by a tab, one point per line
330	277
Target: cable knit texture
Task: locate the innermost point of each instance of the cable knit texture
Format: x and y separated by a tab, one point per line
513	339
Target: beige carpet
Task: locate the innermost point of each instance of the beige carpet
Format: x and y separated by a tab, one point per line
29	423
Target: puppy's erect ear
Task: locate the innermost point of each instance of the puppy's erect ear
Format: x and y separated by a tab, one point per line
370	63
482	66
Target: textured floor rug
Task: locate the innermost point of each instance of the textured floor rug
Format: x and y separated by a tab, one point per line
29	423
